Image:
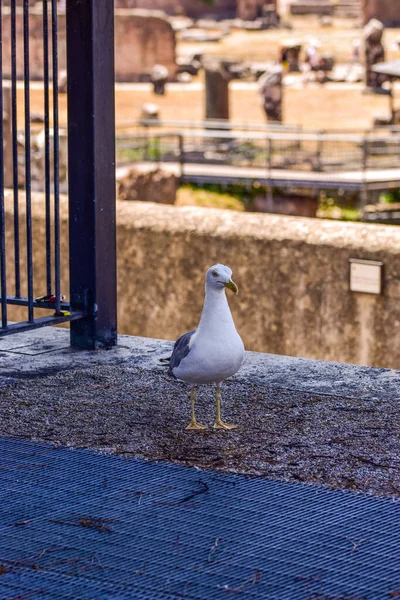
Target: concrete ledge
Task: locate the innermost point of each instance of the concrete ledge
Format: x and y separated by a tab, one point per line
292	272
299	420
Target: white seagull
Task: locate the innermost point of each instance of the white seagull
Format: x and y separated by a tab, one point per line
213	351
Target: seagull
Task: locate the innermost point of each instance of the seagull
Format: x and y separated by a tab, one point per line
213	351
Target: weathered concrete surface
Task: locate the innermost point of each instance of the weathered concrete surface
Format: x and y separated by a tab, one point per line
142	39
299	420
292	272
386	11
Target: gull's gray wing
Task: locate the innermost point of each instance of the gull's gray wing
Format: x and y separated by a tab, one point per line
180	351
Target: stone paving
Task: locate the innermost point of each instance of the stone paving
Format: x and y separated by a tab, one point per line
298	420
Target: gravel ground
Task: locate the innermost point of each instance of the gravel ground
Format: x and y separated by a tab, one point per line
343	443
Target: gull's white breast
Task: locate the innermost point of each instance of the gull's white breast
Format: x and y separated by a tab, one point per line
212	358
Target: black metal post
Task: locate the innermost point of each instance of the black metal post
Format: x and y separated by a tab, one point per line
91	166
270	191
3	278
319	152
181	157
56	158
17	269
46	101
391	103
28	178
364	174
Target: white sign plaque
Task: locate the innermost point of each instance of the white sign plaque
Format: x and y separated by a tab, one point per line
365	276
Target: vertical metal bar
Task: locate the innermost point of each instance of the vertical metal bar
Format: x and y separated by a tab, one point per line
364	175
15	149
319	151
28	162
3	277
269	169
181	157
157	149
47	142
91	171
56	157
391	103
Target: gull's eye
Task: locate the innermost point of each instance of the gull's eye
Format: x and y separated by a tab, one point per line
214	273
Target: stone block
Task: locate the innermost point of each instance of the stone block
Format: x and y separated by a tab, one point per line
300	206
386	11
142	39
152	186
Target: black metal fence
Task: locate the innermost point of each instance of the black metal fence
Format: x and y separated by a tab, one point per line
281	160
301	151
86	31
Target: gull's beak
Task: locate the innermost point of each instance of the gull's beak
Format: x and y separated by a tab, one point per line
231	286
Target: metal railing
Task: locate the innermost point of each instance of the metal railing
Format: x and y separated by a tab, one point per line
218	124
87	30
316	158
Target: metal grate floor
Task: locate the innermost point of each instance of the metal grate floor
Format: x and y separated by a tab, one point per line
79	525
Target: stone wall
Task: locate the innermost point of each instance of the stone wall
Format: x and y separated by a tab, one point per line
244	9
191	8
142	39
292	272
386	11
250	9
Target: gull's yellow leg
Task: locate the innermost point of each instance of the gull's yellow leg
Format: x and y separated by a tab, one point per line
193	423
219	424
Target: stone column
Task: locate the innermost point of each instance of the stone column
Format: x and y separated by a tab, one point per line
248	10
270	89
374	52
159	77
216	90
293	50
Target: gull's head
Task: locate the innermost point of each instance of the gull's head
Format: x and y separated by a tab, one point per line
219	277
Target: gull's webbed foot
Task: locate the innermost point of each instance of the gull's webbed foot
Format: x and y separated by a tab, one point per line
193	425
221	425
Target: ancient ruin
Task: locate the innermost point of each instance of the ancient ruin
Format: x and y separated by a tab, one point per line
374	52
150	186
290	52
143	38
386	11
217	79
270	88
219	9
